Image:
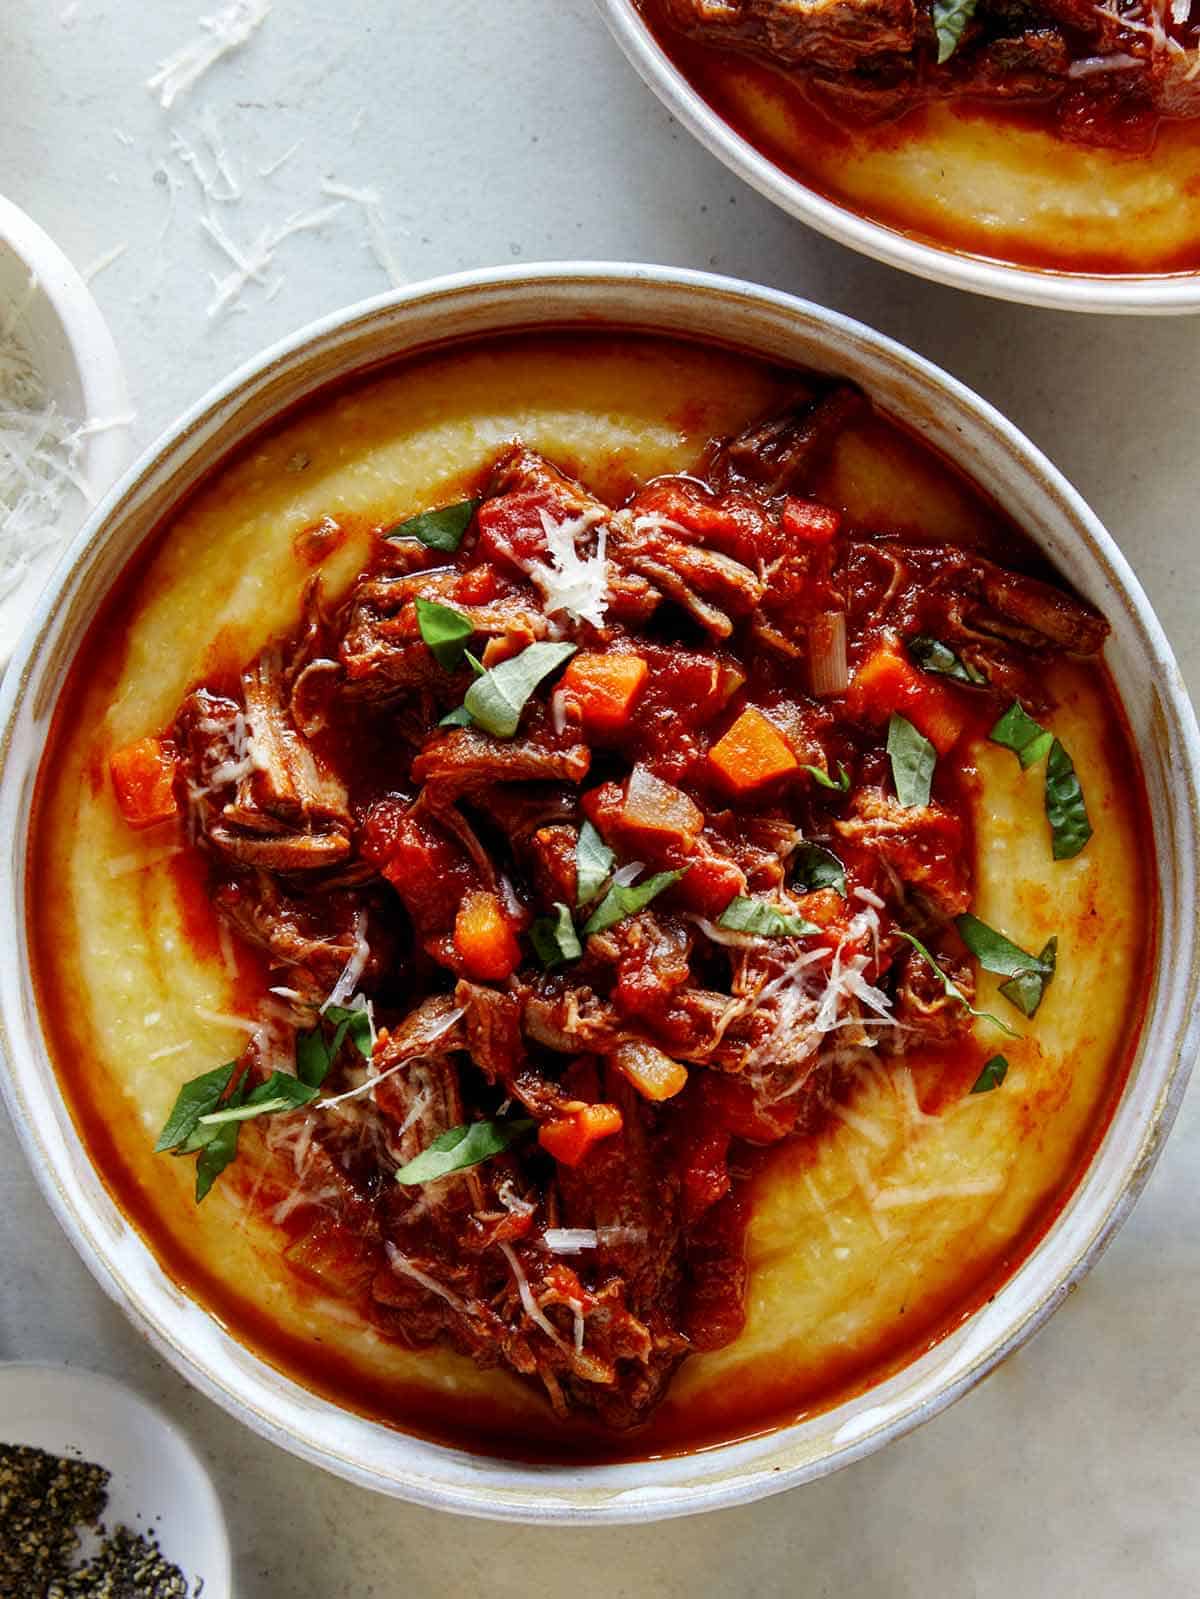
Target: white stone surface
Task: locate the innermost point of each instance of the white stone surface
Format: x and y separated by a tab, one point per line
510	131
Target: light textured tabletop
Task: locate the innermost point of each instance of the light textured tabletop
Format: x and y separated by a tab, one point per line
514	131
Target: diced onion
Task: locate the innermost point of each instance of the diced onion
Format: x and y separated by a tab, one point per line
569	1240
658	807
829	672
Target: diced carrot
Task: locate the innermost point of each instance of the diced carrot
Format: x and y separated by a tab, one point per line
809	521
485	942
143	776
605	687
655	1075
502	648
887	681
751	753
569	1138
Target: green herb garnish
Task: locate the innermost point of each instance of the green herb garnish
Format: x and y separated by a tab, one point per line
931	655
913	760
816	867
462	1147
1029	975
952	989
840	784
993	1074
593	863
1017	731
445	630
458	718
950	18
315	1053
195	1099
757	916
442	529
495	700
554	937
220	1145
1066	812
624	900
281	1091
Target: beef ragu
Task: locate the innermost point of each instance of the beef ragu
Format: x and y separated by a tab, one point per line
594	851
1060	135
1108	73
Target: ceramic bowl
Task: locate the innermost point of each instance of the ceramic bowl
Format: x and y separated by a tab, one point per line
72	349
1148	293
1007	466
158	1485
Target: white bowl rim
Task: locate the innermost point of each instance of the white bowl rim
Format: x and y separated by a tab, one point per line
1132	294
562	1494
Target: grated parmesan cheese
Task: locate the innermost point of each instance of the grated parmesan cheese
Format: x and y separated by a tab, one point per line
575	584
368	200
223	33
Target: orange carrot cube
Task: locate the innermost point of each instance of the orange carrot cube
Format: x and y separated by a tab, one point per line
605	688
485	942
888	681
143	777
751	753
569	1138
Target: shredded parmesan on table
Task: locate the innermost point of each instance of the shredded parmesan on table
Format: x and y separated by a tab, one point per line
223	33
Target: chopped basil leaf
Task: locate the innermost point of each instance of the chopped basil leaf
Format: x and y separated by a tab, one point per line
195	1099
952	988
461	1147
313	1059
819	775
1070	828
315	1055
1017	731
993	951
950	18
474	663
1026	989
554	937
458	718
913	759
1028	974
817	867
220	1146
744	915
495	700
593	863
445	630
993	1074
931	655
280	1092
438	530
625	900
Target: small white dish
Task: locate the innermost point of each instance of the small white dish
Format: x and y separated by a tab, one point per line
73	351
159	1486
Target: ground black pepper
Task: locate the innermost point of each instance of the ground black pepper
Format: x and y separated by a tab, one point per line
44	1502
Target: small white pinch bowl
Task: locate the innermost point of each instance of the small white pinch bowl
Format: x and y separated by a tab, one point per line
159	1485
1133	294
71	347
953	419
